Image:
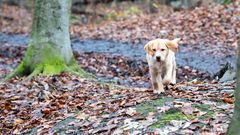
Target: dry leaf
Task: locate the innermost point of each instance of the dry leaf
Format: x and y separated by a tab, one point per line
18	121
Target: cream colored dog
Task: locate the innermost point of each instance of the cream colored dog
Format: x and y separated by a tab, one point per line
161	62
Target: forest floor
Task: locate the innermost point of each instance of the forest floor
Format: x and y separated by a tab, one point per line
69	104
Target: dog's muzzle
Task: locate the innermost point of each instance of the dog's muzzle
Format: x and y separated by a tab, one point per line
158	58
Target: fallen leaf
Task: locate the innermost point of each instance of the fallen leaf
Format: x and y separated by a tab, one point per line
187	109
131	111
82	116
18	121
228	100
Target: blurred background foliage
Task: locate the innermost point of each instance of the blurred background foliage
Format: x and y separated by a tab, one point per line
97	11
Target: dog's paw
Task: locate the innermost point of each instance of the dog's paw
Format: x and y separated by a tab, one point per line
173	82
166	81
158	91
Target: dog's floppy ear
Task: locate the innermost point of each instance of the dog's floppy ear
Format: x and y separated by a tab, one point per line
148	48
173	44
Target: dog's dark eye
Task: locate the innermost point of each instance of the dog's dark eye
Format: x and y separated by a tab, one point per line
162	50
154	50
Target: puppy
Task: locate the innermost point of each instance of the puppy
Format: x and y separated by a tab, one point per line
161	61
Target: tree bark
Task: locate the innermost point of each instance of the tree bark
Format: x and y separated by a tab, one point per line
234	126
49	50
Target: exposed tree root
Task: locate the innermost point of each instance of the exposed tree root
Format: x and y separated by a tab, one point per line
19	71
77	70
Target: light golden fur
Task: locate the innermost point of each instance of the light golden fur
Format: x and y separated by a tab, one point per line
161	61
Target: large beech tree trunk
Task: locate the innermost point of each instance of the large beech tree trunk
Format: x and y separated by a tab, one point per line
49	50
234	127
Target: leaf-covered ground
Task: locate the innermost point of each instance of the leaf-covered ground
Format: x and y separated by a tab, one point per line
69	104
72	105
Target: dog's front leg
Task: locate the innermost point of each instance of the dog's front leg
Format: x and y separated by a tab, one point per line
154	79
169	77
160	84
174	73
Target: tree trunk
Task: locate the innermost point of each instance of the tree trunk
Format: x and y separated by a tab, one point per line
49	50
234	126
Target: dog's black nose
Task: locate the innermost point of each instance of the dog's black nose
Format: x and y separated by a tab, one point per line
158	58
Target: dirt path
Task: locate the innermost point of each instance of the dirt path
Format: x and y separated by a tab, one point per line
198	60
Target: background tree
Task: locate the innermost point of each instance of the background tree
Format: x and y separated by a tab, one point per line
49	50
234	126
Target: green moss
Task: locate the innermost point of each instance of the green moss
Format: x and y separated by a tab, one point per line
131	11
49	69
227	1
204	108
46	61
176	114
74	18
168	116
151	106
19	71
111	16
74	68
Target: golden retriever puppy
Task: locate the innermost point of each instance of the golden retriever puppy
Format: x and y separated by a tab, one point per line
161	61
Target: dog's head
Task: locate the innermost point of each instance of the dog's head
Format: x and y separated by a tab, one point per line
159	48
